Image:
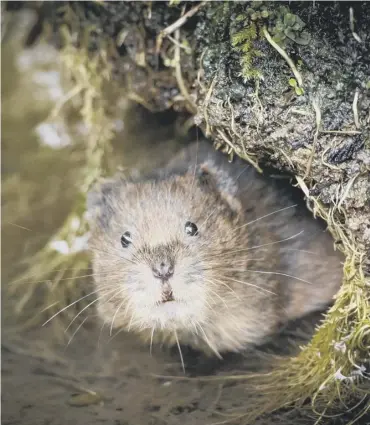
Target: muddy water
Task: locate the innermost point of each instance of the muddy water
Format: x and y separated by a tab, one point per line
93	378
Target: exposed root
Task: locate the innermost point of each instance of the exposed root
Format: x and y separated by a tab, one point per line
140	100
284	55
205	106
178	44
258	105
235	149
65	99
201	70
316	107
233	129
344	132
323	161
355	110
180	81
177	24
347	189
352	25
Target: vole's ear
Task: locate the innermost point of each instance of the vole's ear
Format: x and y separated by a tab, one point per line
216	179
100	201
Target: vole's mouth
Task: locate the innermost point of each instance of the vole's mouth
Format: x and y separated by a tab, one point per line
169	301
171	313
166	301
167	296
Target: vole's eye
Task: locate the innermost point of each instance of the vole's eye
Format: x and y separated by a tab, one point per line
191	229
126	239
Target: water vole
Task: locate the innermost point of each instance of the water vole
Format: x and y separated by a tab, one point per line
207	253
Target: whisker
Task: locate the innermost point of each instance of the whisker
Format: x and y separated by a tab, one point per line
101	332
116	334
259	246
130	323
195	171
250	284
214	265
69	305
151	340
75	332
194	324
218	296
129	302
49	306
301	250
209	344
79	313
73	303
120	257
208	217
88	305
268	272
209	305
66	278
242	172
267	215
17	225
115	314
54	270
180	352
227	286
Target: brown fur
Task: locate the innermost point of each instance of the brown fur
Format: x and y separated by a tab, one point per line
229	291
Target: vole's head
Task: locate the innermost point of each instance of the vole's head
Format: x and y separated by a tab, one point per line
157	246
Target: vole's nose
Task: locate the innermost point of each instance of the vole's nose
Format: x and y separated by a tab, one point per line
163	270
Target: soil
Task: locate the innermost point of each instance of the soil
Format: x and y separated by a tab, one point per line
45	386
98	379
94	378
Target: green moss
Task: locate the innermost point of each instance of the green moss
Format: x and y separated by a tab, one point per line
284	26
242	42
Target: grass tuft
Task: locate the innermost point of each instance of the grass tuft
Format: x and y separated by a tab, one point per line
56	270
